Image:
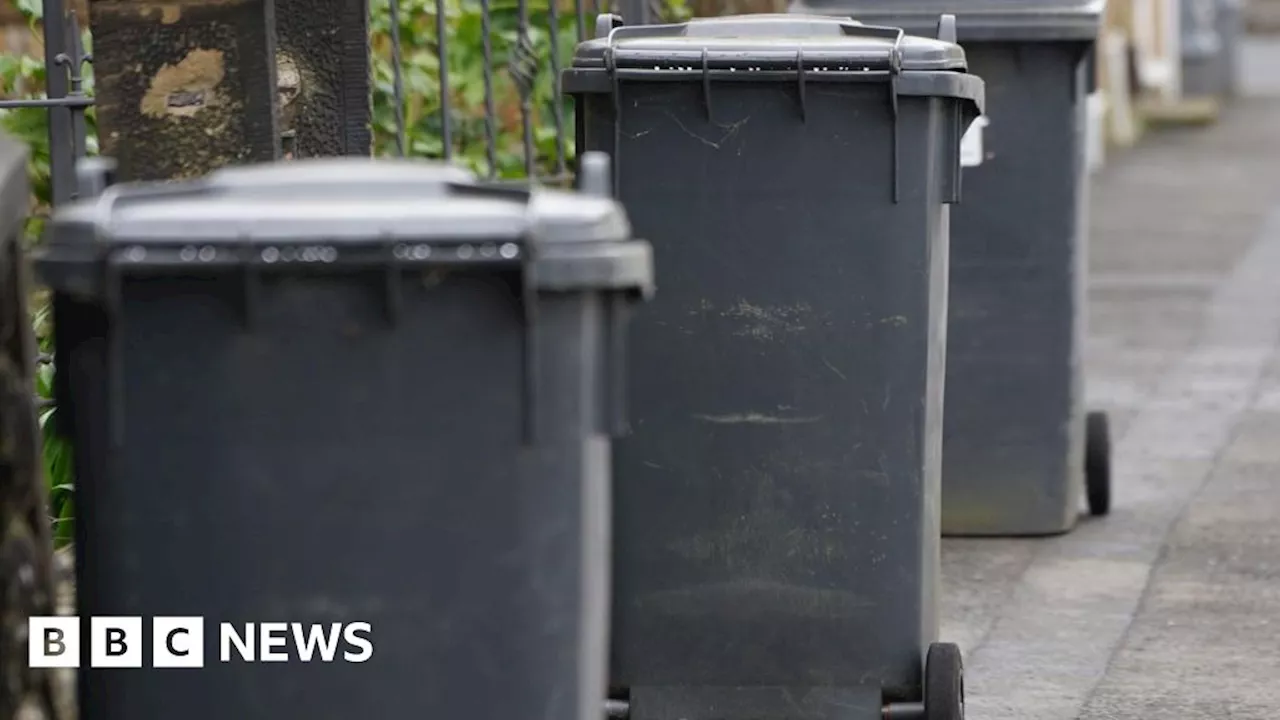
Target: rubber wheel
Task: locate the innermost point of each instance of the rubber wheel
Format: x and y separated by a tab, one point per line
1097	463
943	683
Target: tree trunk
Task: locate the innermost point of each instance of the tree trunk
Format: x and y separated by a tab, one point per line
186	86
26	569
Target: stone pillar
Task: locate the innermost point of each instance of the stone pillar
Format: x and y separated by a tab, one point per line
186	86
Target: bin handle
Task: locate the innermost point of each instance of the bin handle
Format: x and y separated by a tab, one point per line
618	31
947	28
776	60
857	29
606	22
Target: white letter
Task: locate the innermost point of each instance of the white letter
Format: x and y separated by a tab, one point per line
328	642
116	642
271	636
228	637
352	638
177	642
53	642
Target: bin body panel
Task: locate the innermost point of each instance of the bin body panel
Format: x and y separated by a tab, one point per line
776	503
307	472
1013	453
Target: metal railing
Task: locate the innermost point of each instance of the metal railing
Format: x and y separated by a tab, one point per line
65	99
524	65
521	42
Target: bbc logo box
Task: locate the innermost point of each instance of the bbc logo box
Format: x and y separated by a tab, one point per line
116	642
178	642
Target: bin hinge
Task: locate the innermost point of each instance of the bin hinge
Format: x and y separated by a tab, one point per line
112	290
531	369
611	65
895	70
706	83
393	300
249	286
804	114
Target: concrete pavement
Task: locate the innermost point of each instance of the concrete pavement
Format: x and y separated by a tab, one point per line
1170	606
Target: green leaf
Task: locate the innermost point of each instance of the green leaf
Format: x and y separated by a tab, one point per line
31	9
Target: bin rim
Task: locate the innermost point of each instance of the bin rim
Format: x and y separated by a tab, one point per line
966	88
805	48
308	216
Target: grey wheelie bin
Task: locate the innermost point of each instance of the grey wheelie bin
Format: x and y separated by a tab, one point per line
338	392
1019	446
1202	48
776	503
1231	32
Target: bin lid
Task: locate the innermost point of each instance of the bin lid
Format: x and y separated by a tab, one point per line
334	212
766	42
983	20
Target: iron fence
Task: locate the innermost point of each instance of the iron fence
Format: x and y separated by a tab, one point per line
524	66
527	65
65	98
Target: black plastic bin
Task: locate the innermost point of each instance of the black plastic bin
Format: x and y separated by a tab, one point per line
347	391
1019	445
776	505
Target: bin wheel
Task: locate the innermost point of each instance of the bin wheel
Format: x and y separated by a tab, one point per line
943	683
1097	463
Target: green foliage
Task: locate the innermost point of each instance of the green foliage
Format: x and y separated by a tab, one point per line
24	77
466	70
57	451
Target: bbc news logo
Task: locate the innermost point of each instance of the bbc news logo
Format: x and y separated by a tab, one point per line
178	642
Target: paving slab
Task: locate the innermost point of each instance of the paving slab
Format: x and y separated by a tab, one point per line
1172	603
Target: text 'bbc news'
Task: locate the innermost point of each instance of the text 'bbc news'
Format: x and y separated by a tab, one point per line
179	642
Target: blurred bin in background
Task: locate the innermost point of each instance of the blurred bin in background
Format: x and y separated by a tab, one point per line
1019	445
1231	33
1203	49
776	504
339	391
